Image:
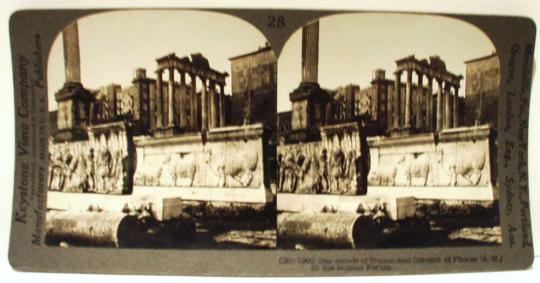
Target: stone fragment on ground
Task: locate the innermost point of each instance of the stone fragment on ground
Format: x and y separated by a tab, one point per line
261	239
492	235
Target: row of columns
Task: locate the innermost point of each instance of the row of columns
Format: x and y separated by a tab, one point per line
212	104
447	111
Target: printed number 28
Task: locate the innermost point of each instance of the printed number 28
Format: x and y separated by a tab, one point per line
276	21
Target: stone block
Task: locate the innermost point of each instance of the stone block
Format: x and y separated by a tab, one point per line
160	207
397	208
235	195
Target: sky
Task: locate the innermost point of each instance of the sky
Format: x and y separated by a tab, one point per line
114	44
352	46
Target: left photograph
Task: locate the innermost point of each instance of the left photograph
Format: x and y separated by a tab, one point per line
162	133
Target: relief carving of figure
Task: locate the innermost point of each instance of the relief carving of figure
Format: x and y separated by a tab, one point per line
288	179
384	175
323	160
56	172
104	166
185	167
240	168
468	171
90	171
311	181
419	170
77	173
337	171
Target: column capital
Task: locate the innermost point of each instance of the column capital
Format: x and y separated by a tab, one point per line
447	85
203	79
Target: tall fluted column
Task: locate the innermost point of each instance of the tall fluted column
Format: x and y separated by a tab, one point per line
418	103
221	105
213	108
170	120
310	52
397	99
182	109
456	107
204	106
389	113
159	99
439	105
193	102
72	59
447	107
429	105
408	99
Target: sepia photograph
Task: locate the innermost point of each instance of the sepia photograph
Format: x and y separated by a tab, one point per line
162	132
247	141
387	134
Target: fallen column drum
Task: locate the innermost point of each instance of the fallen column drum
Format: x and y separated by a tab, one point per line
338	230
114	229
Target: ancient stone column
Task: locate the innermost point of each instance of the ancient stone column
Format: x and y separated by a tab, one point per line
455	123
408	99
389	114
159	99
310	52
170	116
429	104
72	59
193	101
182	115
447	106
397	99
204	106
213	107
221	105
439	105
418	103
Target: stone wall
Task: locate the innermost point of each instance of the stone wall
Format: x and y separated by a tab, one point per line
482	90
459	157
101	164
228	157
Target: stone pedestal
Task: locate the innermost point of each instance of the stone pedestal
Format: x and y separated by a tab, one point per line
309	112
73	116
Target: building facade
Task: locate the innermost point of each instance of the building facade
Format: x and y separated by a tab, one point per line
482	90
254	87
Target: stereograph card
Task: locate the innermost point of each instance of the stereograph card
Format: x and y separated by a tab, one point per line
270	142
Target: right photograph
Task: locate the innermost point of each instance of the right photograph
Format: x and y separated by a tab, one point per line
387	129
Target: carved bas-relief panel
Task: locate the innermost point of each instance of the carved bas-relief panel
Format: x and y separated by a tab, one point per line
231	157
461	158
101	164
456	164
335	165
